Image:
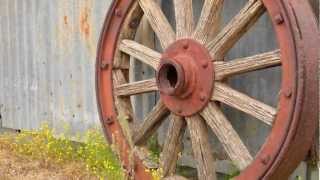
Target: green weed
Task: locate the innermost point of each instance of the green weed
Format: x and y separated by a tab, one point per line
96	155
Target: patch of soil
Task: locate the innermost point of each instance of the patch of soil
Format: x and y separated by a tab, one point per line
18	167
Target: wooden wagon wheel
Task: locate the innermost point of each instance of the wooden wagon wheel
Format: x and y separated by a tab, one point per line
189	76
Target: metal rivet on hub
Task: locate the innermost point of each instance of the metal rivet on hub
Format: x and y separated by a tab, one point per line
205	65
202	97
185	45
279	19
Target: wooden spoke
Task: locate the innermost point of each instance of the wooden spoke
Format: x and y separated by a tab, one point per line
135	88
248	64
172	145
141	52
124	107
209	21
239	25
123	104
228	137
231	97
158	22
201	148
150	123
184	17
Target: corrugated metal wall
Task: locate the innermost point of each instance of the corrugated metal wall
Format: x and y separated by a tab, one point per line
47	57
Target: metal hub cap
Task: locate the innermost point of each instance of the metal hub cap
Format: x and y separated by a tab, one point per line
185	77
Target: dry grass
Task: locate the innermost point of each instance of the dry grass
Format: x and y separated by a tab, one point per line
40	154
13	166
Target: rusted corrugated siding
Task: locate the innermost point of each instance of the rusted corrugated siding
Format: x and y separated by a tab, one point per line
47	54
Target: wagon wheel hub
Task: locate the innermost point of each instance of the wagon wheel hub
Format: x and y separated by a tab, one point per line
185	77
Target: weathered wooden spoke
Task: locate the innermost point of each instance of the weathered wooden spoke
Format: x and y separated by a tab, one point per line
123	104
141	52
135	88
248	64
209	21
172	145
158	22
238	26
229	138
201	148
233	98
184	18
150	124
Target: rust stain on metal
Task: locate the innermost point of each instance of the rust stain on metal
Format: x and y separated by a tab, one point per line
84	23
65	20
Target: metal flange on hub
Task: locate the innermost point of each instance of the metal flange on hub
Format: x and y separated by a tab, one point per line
185	77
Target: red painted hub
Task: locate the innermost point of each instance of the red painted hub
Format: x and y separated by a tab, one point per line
185	77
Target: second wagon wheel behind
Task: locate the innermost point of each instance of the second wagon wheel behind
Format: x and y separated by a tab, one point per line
190	76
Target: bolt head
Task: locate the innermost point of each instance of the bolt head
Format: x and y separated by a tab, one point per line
134	23
279	19
288	93
118	12
205	65
202	97
185	45
265	160
104	64
109	121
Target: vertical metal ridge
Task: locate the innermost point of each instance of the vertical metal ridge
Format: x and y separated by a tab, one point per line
42	44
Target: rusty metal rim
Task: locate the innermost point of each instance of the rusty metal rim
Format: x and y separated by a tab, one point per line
301	126
279	155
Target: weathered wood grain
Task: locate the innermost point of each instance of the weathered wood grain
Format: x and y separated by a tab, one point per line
135	88
151	123
172	145
122	61
124	107
123	104
158	22
242	102
247	64
228	137
236	28
184	18
141	52
201	148
209	21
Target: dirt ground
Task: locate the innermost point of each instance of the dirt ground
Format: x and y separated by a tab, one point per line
18	167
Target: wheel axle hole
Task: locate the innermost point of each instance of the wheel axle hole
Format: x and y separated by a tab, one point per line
172	76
